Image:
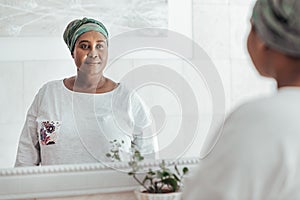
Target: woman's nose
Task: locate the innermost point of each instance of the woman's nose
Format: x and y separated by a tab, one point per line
92	54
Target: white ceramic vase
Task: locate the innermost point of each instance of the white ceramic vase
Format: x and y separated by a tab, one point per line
154	196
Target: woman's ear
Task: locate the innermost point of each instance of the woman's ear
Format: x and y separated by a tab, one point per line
270	60
263	46
260	53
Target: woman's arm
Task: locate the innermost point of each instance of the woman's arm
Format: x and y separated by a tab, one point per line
144	134
28	153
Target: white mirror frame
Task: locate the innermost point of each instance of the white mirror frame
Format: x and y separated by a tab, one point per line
72	180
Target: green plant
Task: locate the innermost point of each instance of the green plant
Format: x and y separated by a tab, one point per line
162	180
114	153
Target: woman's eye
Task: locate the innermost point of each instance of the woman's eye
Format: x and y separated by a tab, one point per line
100	46
84	46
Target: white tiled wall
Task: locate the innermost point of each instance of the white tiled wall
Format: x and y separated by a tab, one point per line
37	73
220	27
211	29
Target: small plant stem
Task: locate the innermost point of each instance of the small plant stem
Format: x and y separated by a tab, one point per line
139	181
160	189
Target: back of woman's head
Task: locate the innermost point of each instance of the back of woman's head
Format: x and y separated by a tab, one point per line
277	22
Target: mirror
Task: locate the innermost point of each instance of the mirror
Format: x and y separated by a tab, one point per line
34	53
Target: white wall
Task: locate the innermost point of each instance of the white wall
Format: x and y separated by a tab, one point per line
219	26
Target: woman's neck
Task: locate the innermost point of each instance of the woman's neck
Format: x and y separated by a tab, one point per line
287	71
89	82
292	81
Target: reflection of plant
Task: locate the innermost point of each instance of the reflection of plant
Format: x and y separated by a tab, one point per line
114	153
162	180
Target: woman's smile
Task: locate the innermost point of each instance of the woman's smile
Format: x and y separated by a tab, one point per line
92	63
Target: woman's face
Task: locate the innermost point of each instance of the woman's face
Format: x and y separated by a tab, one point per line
90	52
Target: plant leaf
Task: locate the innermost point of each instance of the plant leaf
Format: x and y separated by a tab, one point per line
185	170
131	173
171	182
166	174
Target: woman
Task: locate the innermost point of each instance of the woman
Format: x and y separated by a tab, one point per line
257	155
74	120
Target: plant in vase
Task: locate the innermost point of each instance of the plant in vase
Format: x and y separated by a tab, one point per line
157	184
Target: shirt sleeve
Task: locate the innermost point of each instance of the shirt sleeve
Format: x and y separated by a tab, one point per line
140	112
28	153
144	135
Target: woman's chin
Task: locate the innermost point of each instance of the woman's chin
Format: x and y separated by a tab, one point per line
91	71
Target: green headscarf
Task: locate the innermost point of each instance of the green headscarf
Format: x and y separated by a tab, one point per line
79	26
277	22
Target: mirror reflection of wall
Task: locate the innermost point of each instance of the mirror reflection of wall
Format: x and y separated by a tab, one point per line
33	53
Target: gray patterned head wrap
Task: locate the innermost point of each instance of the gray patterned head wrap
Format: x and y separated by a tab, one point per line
79	26
277	22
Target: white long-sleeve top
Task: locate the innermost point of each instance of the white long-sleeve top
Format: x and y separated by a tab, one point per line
257	156
66	127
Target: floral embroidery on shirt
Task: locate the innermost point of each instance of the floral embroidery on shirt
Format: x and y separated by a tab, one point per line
48	132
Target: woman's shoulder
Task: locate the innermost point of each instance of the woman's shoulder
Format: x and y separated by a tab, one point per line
53	83
126	91
50	85
111	85
258	106
272	110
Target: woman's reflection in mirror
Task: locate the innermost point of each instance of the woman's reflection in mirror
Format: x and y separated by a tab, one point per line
73	120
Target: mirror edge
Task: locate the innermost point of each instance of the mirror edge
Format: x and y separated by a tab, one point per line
69	180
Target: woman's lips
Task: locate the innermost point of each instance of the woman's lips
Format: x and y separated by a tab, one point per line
93	63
